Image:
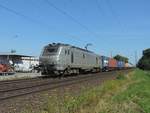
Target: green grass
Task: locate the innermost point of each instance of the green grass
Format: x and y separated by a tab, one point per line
127	94
137	93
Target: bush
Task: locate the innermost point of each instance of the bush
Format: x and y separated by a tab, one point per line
144	62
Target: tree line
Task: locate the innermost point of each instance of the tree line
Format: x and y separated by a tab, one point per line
121	58
144	62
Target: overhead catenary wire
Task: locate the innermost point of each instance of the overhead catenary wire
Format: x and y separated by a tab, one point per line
70	17
114	13
100	7
35	21
19	14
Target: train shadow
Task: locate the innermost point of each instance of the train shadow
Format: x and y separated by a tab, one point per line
53	76
57	76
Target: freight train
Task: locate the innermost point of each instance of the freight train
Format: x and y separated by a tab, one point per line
64	59
110	64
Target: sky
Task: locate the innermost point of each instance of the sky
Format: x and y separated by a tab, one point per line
111	26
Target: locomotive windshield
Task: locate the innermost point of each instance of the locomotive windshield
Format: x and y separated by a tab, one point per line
50	50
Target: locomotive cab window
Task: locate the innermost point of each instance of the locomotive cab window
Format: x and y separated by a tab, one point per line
51	50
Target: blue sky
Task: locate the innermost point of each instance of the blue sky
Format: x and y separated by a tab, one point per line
117	26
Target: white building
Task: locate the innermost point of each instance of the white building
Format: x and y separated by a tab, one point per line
21	63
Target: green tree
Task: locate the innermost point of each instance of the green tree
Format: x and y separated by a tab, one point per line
144	62
121	58
146	52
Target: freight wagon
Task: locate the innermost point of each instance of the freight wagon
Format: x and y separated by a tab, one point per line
109	64
128	65
120	65
112	64
105	61
64	59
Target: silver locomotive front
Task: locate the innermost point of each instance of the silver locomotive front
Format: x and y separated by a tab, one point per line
49	59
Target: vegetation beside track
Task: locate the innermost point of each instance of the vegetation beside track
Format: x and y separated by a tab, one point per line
127	94
144	62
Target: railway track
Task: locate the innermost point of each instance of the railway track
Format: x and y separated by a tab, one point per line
16	81
6	82
17	88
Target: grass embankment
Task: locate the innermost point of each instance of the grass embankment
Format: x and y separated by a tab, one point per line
127	94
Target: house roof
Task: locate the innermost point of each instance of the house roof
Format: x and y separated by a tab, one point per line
14	55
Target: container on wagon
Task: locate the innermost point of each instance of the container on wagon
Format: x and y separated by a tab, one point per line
112	63
120	64
126	65
105	61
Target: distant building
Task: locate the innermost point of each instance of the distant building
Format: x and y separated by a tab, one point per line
22	63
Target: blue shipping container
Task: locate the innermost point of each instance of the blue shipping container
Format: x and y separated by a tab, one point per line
120	64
